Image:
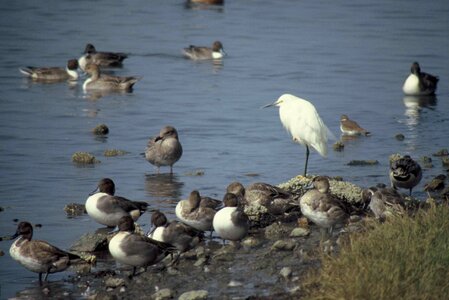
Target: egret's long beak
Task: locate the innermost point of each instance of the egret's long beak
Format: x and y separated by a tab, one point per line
268	105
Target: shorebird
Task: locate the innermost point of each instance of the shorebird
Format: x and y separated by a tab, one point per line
107	209
384	202
38	256
350	127
405	173
419	83
302	121
164	149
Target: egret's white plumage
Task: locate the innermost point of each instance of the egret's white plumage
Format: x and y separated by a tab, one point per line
304	124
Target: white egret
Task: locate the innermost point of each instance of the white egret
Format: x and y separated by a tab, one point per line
302	121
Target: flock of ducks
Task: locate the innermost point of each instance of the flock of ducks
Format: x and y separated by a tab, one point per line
198	214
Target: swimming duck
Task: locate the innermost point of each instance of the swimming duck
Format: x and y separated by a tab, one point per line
384	202
350	127
52	74
230	222
102	82
164	149
107	209
419	83
322	208
180	235
102	59
190	212
38	256
134	249
405	173
204	53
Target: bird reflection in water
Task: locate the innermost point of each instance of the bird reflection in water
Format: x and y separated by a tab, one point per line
414	105
164	186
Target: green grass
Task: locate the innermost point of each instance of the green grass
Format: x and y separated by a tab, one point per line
403	258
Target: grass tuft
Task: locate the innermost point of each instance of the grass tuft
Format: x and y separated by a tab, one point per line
403	258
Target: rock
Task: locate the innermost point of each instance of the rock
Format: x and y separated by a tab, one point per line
195	173
251	242
102	296
114	282
338	146
194	295
84	158
114	152
91	242
286	272
284	245
445	161
276	231
436	184
367	162
299	232
1	208
2	253
442	152
162	294
399	137
200	262
235	283
101	129
75	209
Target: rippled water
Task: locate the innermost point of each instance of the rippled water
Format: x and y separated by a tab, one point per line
347	58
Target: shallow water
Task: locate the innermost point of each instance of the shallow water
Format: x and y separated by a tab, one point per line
347	58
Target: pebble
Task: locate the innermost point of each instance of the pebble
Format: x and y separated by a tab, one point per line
84	158
338	146
399	137
114	152
114	282
101	129
75	209
286	272
235	283
2	253
284	245
251	242
162	294
194	295
367	162
300	232
200	262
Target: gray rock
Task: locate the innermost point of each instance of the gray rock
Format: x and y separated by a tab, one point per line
284	245
162	294
194	295
399	137
286	272
91	242
251	242
365	162
276	231
114	282
300	232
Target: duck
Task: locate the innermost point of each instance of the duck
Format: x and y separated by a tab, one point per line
130	248
405	173
164	149
419	83
107	209
102	59
205	53
277	201
321	207
350	127
38	256
178	234
102	82
384	202
191	212
52	74
231	222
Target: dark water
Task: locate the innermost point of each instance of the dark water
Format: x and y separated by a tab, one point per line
345	57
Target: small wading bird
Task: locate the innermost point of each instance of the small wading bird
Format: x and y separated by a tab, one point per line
405	173
203	53
107	209
384	202
350	127
164	149
38	256
136	250
419	83
102	59
302	121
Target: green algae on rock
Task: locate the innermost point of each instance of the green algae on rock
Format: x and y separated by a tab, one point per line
84	158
